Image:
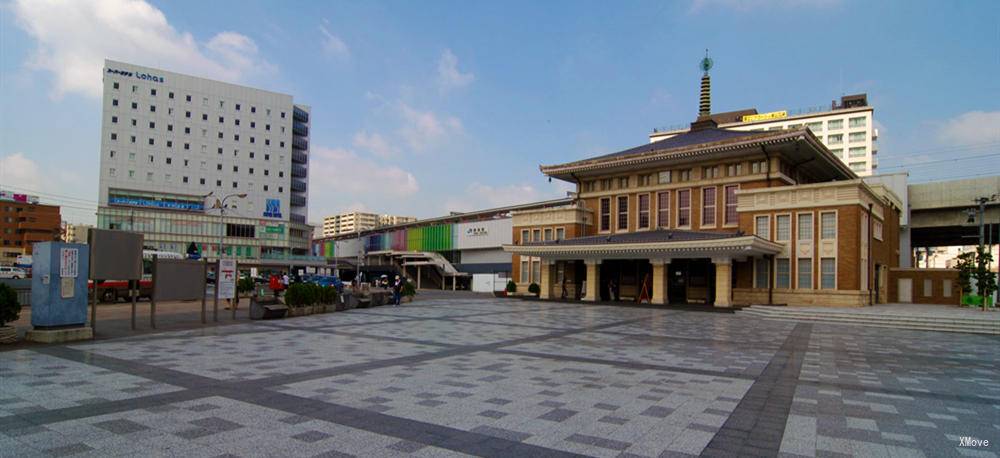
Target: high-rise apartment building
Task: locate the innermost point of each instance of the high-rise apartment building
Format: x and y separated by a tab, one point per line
846	128
345	223
23	222
76	233
174	146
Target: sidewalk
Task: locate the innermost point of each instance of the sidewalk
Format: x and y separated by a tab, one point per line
114	320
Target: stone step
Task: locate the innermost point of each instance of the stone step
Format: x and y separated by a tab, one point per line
924	323
776	311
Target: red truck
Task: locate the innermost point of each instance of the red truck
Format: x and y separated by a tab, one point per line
116	290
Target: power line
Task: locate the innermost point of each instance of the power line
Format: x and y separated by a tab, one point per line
955	177
42	193
947	149
938	161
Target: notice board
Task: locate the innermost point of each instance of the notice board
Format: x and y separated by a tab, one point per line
178	280
115	255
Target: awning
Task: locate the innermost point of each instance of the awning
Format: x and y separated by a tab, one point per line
657	244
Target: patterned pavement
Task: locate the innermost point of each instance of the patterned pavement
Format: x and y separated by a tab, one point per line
456	375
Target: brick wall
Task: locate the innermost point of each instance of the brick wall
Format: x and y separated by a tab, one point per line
936	278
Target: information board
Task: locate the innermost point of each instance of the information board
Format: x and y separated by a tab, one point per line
69	262
226	280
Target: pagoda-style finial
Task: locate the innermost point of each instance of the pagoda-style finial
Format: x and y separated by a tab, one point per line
705	101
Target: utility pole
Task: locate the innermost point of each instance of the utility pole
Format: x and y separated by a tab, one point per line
982	235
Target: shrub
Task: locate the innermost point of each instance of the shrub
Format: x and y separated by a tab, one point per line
408	290
297	295
245	285
10	309
328	295
534	289
511	286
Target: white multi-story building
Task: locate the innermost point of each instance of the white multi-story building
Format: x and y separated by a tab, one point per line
847	128
348	222
173	146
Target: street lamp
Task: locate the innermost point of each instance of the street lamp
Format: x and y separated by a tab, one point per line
220	204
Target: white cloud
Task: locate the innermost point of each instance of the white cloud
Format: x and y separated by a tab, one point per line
373	143
74	37
449	75
750	5
332	44
423	130
340	170
478	196
973	127
19	171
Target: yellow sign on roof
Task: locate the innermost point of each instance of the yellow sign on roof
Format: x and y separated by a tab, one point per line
766	116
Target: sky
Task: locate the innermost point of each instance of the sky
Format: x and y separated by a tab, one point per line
422	108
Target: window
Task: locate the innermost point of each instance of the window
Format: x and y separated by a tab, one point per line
170	95
253	125
643	211
152	92
663	209
524	271
839	152
115	85
762	272
536	235
252	140
253	109
131	173
928	287
858	151
135	106
857	122
218	182
815	126
152	108
835	124
187	98
150	158
236	169
187	114
548	234
684	208
710	172
762	227
149	176
664	177
605	212
805	277
150	141
114	136
858	167
112	171
114	119
708	206
834	139
805	226
525	236
856	137
733	170
536	271
560	233
114	102
731	217
606	184
877	230
646	180
686	175
784	229
759	167
946	287
112	153
237	107
623	183
622	213
827	226
828	273
234	185
236	121
782	269
134	123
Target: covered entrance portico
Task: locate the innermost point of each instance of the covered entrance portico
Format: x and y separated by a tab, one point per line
661	266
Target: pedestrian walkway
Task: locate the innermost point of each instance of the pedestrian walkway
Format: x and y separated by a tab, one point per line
903	316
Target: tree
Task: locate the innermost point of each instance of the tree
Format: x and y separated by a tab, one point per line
986	281
10	308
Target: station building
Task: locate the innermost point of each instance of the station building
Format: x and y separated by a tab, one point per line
713	216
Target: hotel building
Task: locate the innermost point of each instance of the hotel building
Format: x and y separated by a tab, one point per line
716	216
846	128
174	146
346	223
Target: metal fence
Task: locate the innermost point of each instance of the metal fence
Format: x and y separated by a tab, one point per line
22	287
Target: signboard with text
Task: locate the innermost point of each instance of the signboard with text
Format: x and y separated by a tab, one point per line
69	262
766	116
226	280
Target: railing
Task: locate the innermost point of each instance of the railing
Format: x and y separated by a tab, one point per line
291	257
299	171
299	143
299	157
299	114
298	185
297	201
299	128
298	218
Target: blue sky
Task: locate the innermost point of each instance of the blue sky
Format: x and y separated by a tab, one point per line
420	108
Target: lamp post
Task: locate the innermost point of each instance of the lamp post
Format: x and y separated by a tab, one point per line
221	205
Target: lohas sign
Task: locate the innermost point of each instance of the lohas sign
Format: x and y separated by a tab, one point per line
272	208
137	75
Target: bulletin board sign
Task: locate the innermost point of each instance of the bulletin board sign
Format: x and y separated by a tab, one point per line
178	280
115	255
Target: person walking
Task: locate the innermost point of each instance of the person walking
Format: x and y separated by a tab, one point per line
397	289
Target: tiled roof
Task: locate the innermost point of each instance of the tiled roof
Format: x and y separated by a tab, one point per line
686	139
654	236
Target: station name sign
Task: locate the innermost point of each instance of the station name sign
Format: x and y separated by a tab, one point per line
137	75
766	116
476	231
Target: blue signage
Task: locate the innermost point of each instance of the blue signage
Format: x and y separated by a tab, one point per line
141	76
167	204
272	208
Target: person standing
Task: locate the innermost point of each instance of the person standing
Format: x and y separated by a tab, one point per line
397	289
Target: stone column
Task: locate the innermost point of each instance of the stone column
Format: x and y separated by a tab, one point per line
545	284
659	280
418	277
723	282
593	281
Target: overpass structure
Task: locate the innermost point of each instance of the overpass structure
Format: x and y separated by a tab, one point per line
939	212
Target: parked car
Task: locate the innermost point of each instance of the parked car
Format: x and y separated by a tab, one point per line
325	280
12	272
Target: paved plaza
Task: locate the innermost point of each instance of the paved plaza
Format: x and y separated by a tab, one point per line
455	374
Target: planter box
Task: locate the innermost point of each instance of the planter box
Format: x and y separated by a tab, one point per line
973	300
8	334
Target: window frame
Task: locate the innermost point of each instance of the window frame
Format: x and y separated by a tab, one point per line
757	272
679	209
601	215
822	235
777	273
619	213
704	206
756	226
798	227
663	222
639	212
798	273
727	204
823	274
